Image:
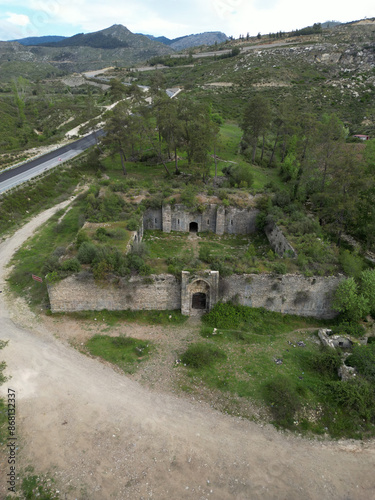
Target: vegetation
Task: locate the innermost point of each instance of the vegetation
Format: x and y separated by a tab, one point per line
272	359
124	352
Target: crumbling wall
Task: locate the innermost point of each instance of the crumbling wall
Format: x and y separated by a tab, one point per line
289	293
81	293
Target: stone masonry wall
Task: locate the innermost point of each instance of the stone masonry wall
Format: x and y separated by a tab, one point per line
81	293
278	242
214	218
289	293
292	294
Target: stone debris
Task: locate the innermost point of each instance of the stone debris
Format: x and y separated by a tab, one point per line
278	361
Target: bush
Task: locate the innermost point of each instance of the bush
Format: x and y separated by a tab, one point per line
363	359
81	238
202	355
282	399
348	328
71	265
279	268
351	264
327	362
355	396
87	253
349	302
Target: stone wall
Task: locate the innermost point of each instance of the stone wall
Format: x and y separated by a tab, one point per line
289	293
278	242
292	294
81	293
215	218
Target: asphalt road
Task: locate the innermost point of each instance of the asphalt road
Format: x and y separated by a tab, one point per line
30	169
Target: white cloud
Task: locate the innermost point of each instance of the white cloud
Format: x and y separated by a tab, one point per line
17	19
172	19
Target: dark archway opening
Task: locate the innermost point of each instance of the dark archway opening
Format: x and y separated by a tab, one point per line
199	301
193	227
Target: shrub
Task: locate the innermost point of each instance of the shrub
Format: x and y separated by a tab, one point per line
81	238
351	264
279	268
87	253
356	396
327	362
348	328
349	302
367	287
202	355
363	358
71	265
132	224
282	399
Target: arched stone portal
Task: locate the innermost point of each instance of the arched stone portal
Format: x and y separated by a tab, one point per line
199	292
193	227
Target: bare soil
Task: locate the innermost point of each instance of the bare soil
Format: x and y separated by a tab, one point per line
104	435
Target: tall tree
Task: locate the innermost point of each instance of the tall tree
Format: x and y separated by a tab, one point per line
255	122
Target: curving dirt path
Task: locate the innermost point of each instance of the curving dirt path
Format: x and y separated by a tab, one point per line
103	436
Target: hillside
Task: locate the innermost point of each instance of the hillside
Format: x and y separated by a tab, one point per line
185	42
109	47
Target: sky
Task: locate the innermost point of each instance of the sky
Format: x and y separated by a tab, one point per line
172	18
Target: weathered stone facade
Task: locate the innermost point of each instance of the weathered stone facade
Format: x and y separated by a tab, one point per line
292	294
81	293
199	292
215	218
289	293
280	245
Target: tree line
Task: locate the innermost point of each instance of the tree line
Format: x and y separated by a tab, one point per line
317	163
162	129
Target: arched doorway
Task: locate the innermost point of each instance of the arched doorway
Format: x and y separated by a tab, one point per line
199	301
193	227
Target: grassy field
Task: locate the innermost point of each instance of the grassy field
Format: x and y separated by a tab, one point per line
125	352
277	362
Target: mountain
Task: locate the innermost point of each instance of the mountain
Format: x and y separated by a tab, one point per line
114	46
38	40
185	42
207	38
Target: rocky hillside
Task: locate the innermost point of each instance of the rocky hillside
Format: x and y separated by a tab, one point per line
185	42
113	46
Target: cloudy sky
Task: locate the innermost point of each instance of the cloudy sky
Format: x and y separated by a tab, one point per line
172	18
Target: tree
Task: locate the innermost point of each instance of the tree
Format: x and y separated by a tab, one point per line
255	122
168	124
349	302
117	90
120	132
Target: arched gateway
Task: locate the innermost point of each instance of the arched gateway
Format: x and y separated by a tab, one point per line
199	293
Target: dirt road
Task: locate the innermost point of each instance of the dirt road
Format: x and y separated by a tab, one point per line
103	436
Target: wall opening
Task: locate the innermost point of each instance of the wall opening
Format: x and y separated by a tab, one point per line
199	301
193	227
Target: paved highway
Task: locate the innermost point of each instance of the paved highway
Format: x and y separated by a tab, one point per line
30	169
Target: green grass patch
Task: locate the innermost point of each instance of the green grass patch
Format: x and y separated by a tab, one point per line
22	203
276	361
125	352
33	256
112	318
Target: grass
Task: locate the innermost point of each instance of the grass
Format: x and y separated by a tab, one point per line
117	234
21	204
31	257
262	362
125	352
111	318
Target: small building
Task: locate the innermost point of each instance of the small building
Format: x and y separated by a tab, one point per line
363	137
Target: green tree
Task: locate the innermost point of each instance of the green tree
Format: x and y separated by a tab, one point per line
349	301
255	122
